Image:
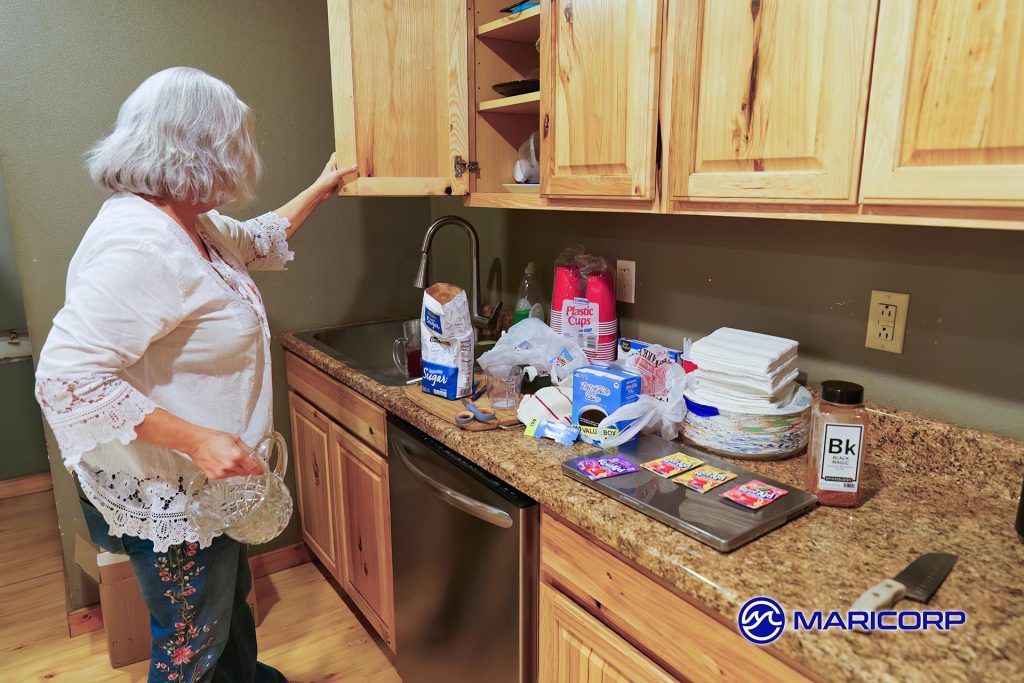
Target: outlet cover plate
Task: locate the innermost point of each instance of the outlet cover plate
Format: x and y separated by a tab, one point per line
887	321
625	281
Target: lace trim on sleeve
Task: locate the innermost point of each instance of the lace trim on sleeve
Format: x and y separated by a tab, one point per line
85	412
270	242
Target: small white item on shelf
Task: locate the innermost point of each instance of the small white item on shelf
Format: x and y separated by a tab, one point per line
527	167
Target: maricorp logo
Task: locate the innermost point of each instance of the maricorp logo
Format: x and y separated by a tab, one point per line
761	620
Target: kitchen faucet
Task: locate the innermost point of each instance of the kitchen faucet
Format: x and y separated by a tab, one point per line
423	274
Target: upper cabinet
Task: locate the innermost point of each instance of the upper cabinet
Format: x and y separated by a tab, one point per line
946	125
401	97
764	100
600	62
810	109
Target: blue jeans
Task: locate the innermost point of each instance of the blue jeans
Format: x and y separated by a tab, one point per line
202	628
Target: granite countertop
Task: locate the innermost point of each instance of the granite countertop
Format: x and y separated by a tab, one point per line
930	487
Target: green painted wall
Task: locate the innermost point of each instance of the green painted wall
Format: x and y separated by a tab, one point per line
811	282
20	421
66	67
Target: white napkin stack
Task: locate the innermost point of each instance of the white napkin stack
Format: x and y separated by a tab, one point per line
739	370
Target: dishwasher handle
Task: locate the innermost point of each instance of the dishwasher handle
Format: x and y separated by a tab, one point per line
459	501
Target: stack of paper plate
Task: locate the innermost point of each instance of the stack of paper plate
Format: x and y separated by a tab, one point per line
754	433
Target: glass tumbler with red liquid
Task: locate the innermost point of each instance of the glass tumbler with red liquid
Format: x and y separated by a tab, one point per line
407	352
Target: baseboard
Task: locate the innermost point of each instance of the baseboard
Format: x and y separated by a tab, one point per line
279	560
32	483
85	620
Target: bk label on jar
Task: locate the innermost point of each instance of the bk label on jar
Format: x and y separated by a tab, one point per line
840	457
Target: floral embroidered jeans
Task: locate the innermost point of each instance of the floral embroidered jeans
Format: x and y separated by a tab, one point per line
202	628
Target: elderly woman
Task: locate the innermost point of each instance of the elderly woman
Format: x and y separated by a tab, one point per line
158	365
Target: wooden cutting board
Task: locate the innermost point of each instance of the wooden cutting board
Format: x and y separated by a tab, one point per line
447	410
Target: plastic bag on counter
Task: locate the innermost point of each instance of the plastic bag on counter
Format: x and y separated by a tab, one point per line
531	342
649	414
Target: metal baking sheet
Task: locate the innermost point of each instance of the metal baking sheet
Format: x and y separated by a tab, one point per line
707	517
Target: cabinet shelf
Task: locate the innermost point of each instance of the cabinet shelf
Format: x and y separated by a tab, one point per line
523	27
527	103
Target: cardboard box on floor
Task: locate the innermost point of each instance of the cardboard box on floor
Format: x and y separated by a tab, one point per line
125	615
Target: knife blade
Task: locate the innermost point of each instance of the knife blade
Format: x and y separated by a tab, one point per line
918	581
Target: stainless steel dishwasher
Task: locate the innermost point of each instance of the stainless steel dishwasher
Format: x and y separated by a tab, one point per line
465	566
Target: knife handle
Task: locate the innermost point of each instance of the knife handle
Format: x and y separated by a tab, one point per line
882	595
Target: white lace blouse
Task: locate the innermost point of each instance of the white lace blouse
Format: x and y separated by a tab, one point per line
148	322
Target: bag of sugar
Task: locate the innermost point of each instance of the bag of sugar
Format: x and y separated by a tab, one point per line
446	331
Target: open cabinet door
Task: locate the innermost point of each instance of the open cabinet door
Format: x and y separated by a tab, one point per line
600	65
401	95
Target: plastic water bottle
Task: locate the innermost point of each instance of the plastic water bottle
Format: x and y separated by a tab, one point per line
528	302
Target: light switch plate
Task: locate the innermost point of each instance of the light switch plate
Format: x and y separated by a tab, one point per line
625	281
887	321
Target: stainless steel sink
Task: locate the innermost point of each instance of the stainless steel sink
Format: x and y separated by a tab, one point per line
365	347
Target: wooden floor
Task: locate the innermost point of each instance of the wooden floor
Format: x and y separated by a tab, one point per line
308	633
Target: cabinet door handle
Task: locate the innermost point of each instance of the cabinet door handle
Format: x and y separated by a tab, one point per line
316	474
359	543
546	122
567	12
366	570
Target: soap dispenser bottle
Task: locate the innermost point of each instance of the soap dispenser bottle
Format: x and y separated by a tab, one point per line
528	302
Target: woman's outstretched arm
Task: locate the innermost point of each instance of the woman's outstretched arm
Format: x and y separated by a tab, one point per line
299	209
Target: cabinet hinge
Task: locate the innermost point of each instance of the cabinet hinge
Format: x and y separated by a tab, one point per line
461	166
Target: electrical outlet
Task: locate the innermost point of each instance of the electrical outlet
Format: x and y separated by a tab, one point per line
625	281
887	321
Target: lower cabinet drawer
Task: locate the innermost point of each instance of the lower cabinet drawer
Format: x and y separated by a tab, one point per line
343	405
577	648
672	633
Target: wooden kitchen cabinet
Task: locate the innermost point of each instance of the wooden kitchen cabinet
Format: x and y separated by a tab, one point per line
317	473
946	123
765	101
835	110
342	480
599	104
579	648
604	618
399	78
367	527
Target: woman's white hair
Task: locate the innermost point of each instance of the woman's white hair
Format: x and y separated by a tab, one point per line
183	135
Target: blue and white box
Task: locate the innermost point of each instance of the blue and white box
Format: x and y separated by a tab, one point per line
597	392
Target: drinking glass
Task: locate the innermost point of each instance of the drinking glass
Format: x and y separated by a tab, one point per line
503	386
407	353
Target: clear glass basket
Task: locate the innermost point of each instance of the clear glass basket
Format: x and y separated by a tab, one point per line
251	510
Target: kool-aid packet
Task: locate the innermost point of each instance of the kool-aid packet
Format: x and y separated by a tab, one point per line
671	465
705	478
754	494
603	467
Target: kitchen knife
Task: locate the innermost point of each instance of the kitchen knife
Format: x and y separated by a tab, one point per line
918	581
